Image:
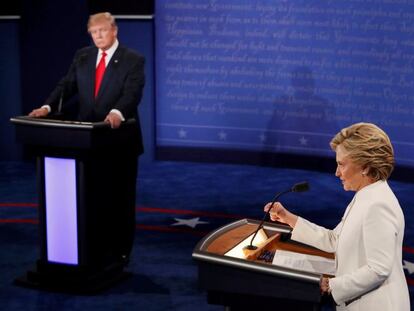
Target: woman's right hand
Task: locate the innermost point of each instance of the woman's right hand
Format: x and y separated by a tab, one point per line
280	213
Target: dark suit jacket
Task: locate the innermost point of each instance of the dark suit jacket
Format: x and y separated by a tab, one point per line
121	87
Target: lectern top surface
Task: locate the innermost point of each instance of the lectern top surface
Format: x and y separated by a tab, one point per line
57	123
214	249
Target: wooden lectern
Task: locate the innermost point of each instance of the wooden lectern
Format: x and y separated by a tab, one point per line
251	283
86	176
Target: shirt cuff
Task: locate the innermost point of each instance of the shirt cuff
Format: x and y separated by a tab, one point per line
47	107
118	113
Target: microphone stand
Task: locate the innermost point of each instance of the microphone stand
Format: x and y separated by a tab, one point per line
251	246
299	187
59	109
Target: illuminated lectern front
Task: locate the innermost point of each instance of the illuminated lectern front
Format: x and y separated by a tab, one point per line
241	280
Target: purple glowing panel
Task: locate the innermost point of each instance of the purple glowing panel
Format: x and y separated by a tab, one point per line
61	215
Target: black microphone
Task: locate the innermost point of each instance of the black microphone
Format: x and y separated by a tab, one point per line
299	187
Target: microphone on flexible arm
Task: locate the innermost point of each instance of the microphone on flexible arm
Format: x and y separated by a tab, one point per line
65	88
59	114
59	108
299	187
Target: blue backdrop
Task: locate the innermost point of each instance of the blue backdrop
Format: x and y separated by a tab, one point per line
10	88
283	76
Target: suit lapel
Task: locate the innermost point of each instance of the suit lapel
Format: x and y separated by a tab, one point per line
89	73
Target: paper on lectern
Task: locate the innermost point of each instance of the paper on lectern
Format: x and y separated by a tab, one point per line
303	262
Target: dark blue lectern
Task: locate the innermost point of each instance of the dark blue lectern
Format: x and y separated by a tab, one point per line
86	176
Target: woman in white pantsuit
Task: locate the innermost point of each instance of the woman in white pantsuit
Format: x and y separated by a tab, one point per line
368	240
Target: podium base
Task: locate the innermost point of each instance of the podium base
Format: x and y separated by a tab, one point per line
73	279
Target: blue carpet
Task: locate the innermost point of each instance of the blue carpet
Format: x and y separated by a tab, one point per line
164	276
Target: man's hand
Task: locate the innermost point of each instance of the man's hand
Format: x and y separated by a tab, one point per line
39	112
113	119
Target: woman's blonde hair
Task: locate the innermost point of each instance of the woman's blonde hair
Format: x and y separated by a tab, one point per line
102	17
368	146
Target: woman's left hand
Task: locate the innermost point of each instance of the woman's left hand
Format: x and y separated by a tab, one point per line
324	285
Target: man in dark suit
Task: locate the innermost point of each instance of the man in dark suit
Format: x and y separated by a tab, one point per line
108	80
116	96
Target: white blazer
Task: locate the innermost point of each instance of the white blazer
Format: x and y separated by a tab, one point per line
368	249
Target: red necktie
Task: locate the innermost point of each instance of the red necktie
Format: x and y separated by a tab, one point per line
100	70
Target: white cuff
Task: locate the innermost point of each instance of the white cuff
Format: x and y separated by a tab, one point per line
47	107
118	113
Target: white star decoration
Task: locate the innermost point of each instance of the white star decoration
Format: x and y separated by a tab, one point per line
192	222
262	137
409	266
222	135
182	133
303	141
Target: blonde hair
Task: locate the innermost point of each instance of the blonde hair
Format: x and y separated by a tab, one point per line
368	146
102	17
